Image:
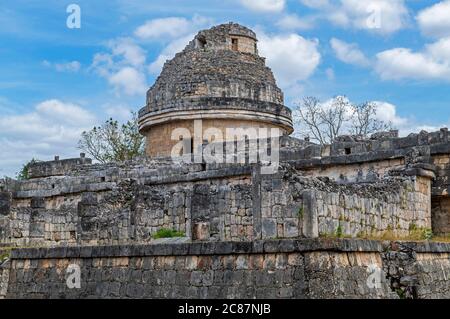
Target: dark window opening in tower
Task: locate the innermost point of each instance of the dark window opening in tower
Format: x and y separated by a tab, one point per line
201	42
184	146
188	146
256	48
234	44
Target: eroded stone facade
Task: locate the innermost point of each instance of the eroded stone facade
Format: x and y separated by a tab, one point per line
308	269
244	232
114	204
218	78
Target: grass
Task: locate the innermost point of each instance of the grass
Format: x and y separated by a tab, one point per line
444	239
5	253
300	212
415	234
339	232
167	233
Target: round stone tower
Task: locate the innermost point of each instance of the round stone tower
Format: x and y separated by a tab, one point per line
218	78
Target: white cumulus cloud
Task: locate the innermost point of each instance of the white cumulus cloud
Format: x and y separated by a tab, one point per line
403	63
53	127
294	22
434	21
291	57
387	112
440	50
124	67
165	27
129	50
65	113
129	80
349	52
169	28
264	5
377	16
383	16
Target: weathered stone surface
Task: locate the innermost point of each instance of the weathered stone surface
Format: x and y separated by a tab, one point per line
105	215
56	167
227	203
312	269
5	203
218	78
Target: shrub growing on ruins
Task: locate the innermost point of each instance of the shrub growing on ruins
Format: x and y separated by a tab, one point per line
420	233
23	174
300	212
112	142
167	233
4	254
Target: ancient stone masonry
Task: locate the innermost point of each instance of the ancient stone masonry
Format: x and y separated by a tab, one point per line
258	269
218	78
209	67
58	167
4	279
349	195
112	204
243	231
4	270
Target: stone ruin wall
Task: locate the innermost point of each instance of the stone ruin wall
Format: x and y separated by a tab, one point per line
369	160
4	271
159	137
440	210
221	74
112	205
231	215
357	172
349	195
372	214
261	269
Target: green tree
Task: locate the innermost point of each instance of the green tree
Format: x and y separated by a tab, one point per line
112	142
23	174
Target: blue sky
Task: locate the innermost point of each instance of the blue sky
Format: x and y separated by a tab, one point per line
56	82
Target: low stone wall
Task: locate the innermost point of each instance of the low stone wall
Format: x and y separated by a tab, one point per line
4	270
260	269
441	197
436	268
57	167
440	213
404	208
358	172
4	279
113	205
109	204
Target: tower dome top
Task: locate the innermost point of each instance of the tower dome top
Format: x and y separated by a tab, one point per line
219	69
230	29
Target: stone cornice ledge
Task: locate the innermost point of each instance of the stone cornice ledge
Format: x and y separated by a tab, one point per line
150	119
224	248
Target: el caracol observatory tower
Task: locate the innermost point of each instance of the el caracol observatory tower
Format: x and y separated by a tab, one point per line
218	78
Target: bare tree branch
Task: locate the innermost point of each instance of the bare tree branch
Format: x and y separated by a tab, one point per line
326	122
364	121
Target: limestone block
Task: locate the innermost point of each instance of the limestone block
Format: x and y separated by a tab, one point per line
201	231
